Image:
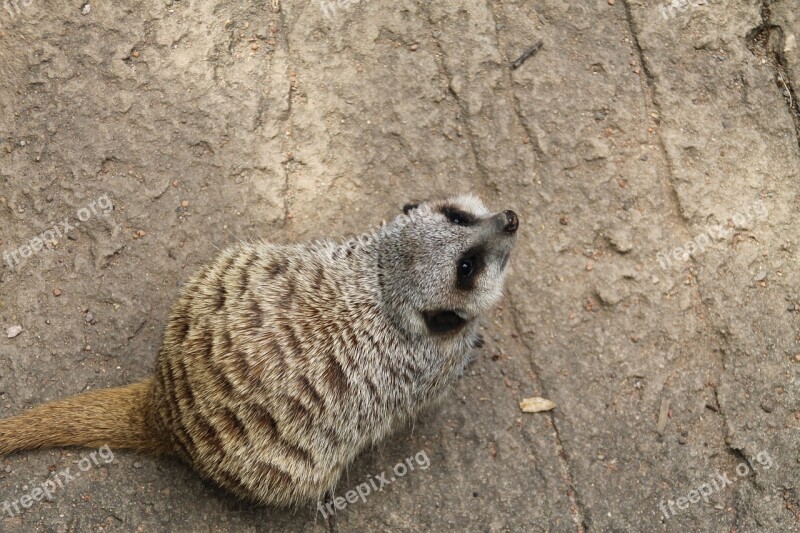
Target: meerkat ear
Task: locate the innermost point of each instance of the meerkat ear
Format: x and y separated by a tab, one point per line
409	207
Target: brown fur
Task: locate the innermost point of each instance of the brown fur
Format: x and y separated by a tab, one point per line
113	417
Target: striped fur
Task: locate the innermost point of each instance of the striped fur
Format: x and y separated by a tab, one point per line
280	363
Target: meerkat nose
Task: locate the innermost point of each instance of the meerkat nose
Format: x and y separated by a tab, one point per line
512	222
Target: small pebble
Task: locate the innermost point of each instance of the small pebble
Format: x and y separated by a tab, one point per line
175	183
761	276
86	9
89	317
621	240
56	292
184	203
13	331
137	464
135	53
414	47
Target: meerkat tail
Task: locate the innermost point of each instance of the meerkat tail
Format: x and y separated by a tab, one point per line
114	417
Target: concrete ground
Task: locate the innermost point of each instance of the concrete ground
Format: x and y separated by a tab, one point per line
651	150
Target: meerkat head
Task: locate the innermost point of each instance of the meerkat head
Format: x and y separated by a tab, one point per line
443	263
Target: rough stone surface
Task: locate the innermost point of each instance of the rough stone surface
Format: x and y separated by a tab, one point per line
651	150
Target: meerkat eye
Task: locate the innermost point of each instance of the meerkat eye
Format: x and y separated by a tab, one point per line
459	218
465	268
469	268
456	218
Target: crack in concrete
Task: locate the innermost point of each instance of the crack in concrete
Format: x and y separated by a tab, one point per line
649	94
736	453
649	97
576	504
448	77
536	147
285	143
734	498
759	39
539	156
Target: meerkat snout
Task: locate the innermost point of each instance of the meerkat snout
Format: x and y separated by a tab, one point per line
512	222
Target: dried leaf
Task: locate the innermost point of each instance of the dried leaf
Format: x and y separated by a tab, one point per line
535	405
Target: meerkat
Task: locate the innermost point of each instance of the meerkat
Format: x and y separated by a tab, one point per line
281	362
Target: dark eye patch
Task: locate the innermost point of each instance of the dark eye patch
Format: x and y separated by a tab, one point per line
458	217
469	268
